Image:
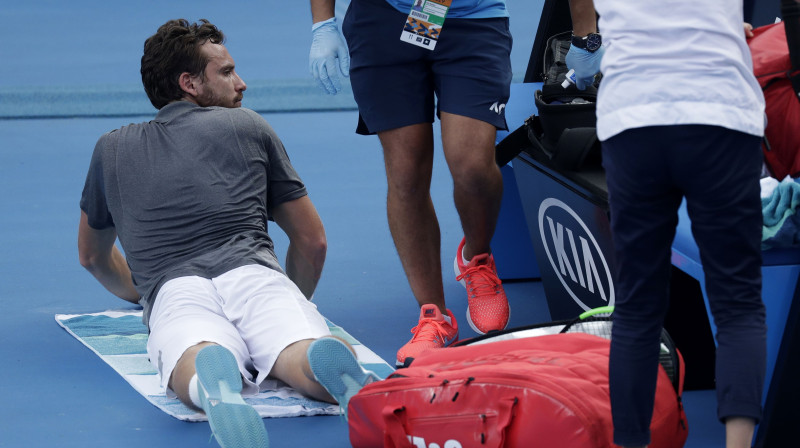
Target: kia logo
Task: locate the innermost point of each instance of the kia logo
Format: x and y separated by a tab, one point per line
575	256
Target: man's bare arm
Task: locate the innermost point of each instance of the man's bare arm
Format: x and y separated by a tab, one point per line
104	261
322	10
308	245
584	18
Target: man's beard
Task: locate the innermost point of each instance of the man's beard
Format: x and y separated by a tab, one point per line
215	100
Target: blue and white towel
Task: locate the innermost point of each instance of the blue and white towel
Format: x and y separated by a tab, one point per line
779	205
120	339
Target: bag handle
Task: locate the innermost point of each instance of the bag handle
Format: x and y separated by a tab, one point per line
394	418
506	415
395	434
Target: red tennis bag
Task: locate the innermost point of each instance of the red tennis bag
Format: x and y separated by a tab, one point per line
546	391
772	66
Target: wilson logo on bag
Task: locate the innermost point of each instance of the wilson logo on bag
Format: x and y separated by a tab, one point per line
419	442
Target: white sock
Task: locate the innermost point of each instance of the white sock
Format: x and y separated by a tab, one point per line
463	258
194	395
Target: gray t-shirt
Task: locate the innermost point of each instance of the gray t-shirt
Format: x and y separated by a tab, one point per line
189	193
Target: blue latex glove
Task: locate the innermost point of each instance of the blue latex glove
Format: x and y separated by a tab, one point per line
585	63
327	45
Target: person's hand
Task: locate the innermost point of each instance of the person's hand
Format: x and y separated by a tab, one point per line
328	56
748	30
585	63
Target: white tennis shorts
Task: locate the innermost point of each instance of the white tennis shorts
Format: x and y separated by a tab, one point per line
253	311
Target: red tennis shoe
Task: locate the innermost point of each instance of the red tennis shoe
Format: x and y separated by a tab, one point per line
487	305
431	332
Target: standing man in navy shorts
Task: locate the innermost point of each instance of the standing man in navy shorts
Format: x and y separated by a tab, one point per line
408	59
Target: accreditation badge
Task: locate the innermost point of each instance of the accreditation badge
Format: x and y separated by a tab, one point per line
424	22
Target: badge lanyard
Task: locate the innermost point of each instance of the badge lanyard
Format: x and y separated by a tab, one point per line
424	22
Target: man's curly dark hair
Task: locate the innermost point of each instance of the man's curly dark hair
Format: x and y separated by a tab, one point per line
172	50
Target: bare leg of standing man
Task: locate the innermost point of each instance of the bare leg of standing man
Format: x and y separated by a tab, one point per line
408	156
477	191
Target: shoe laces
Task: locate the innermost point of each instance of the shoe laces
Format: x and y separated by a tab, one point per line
481	280
430	330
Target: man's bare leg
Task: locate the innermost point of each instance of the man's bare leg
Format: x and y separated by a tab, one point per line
292	368
183	372
477	182
408	157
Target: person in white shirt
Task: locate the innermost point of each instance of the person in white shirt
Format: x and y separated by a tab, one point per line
680	116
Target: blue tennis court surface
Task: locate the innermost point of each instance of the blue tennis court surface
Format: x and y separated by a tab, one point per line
69	73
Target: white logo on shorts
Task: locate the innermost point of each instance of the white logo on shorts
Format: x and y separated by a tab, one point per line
497	107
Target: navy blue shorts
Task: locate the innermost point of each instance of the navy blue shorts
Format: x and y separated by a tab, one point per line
398	84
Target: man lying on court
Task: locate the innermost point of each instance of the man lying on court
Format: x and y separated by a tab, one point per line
189	194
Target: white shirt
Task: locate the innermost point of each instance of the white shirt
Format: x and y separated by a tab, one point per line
676	62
